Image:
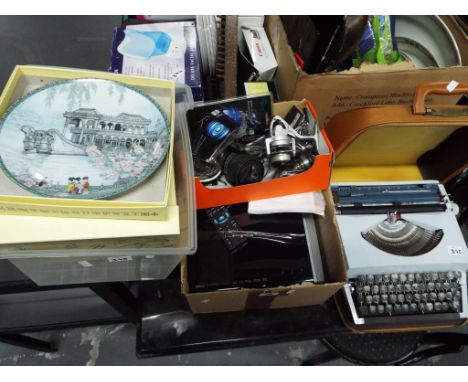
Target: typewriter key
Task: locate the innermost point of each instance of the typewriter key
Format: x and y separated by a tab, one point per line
392	298
411	277
438	307
386	278
366	289
446	286
439	286
372	309
441	296
378	279
455	306
402	277
430	286
416	297
445	306
401	298
375	289
383	289
434	276
432	296
391	288
368	300
394	277
363	310
380	309
405	308
389	309
407	287
376	299
424	297
370	279
448	296
384	298
422	307
415	287
397	308
413	307
429	307
450	275
418	278
408	297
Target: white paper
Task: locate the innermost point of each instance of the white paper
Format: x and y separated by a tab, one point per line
307	203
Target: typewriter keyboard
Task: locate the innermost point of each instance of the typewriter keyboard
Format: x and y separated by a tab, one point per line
378	295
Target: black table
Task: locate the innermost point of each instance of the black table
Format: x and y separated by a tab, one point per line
26	307
168	327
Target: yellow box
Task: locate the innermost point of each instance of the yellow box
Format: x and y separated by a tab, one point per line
134	205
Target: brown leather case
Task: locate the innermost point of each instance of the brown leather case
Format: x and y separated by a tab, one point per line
432	139
397	137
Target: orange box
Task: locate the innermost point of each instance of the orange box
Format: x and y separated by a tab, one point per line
314	179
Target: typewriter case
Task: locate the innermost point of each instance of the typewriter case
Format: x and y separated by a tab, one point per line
401	144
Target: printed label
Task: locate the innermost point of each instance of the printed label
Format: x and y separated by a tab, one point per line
119	259
268	294
454	250
452	86
85	263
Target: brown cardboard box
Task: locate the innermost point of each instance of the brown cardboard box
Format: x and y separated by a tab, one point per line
332	93
281	297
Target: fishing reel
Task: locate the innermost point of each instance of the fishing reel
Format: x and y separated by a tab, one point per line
218	131
283	149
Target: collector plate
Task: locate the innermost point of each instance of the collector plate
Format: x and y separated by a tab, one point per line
83	139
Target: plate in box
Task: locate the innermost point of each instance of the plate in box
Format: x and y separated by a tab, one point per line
83	139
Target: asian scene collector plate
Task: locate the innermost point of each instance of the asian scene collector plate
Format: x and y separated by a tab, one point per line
84	139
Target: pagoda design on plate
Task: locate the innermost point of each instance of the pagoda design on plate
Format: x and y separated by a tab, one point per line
87	127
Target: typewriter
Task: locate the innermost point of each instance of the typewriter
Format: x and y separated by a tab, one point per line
406	258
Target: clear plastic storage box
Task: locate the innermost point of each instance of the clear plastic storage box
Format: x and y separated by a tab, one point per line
76	266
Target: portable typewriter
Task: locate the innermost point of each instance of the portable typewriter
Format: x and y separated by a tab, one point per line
406	257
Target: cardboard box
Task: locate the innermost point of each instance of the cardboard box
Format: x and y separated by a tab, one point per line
281	297
332	93
315	178
136	204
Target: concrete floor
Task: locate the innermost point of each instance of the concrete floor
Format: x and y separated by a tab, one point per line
115	345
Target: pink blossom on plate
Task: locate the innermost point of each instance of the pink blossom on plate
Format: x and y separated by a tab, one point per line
93	151
111	176
138	150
